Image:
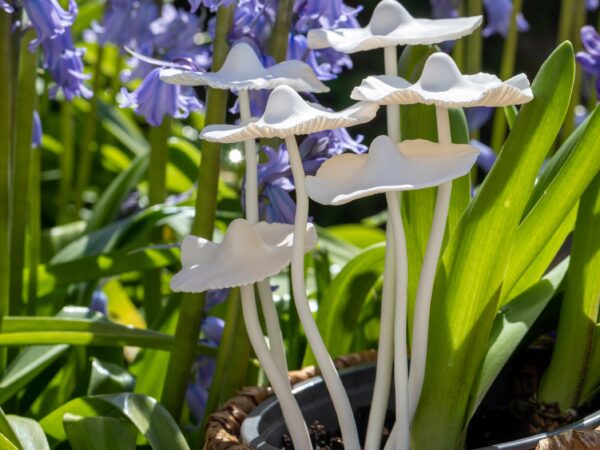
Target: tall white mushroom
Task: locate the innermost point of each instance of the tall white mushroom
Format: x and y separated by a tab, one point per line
441	84
389	168
249	253
391	25
241	72
287	115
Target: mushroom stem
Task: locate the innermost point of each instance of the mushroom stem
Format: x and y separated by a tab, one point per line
390	56
289	406
402	435
428	271
264	287
339	397
385	354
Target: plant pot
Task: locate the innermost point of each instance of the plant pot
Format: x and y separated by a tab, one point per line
254	420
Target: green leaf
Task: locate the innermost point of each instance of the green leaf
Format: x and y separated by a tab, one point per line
5	443
145	413
342	301
510	327
99	433
8	432
564	379
109	378
469	279
570	172
107	207
359	235
29	433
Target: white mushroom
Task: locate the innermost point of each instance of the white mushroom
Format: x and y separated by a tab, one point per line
441	84
287	115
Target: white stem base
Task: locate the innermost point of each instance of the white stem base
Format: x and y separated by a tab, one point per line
289	406
339	397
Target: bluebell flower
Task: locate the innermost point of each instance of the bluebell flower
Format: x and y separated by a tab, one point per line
252	20
326	63
213	5
487	157
592	5
478	116
36	139
65	64
444	9
214	298
6	6
126	23
316	148
99	302
49	19
131	204
589	58
154	99
499	14
329	14
212	327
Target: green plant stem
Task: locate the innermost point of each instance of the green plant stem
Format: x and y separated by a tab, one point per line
21	170
567	12
67	156
564	380
157	191
281	30
35	229
192	306
475	40
6	130
507	68
578	22
460	48
88	144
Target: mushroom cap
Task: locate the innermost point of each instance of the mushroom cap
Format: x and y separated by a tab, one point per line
248	254
287	114
243	70
443	85
387	167
390	25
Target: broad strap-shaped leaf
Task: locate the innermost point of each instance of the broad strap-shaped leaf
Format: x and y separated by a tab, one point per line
342	301
510	326
564	379
146	414
29	433
8	432
469	279
99	433
570	172
109	378
6	444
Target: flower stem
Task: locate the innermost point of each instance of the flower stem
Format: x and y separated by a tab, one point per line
6	130
157	191
402	435
565	27
192	306
507	68
25	102
339	397
281	30
279	382
427	276
475	40
35	229
385	353
88	143
252	214
67	160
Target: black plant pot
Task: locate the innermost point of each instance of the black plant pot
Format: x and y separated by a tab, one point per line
263	428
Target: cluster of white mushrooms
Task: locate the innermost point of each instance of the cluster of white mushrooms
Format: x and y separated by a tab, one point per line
253	251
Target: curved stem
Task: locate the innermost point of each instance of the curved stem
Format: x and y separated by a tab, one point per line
385	355
402	435
252	215
427	277
340	400
279	382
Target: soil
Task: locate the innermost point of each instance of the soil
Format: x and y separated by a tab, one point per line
511	411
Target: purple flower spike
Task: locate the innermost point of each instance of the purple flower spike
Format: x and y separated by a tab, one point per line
499	13
444	9
126	23
36	139
49	19
589	58
478	116
154	99
6	6
592	5
213	5
329	14
214	298
212	327
99	302
487	157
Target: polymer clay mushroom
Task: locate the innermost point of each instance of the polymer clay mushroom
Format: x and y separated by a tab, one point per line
441	84
287	115
248	254
241	72
392	25
389	168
